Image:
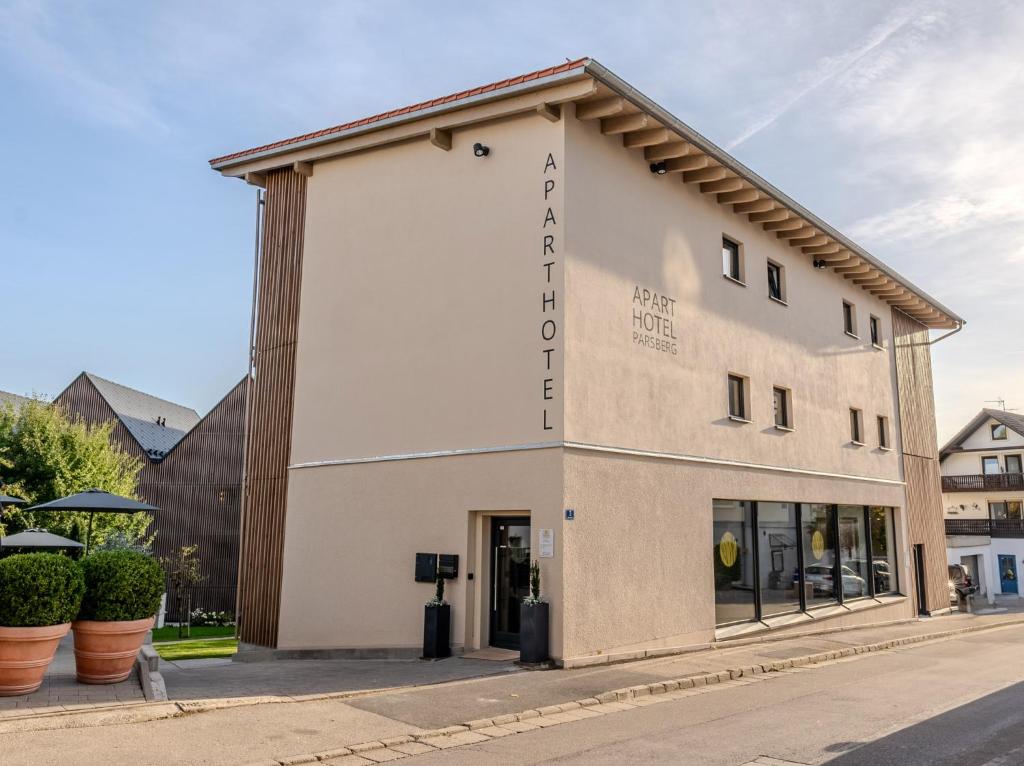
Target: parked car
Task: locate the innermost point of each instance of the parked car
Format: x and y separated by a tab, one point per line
960	583
820	576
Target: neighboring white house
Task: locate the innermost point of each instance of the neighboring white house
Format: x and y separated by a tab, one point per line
983	500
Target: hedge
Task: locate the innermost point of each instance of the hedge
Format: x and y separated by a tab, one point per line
121	585
38	589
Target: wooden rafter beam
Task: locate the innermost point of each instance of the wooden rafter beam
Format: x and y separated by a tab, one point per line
687	163
876	281
754	206
641	138
857	267
724	185
667	151
613	126
825	248
810	239
740	195
785	224
598	108
705	174
550	112
764	216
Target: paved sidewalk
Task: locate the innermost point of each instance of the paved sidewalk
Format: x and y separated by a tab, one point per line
60	690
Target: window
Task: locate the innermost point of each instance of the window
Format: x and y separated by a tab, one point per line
733	551
998	431
876	332
732	260
738	397
1013	464
819	554
849	319
883	432
853	552
990	465
1006	509
883	550
776	282
777	558
781	404
856	429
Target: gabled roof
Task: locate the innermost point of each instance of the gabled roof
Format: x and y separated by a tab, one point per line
1012	420
156	424
6	397
658	136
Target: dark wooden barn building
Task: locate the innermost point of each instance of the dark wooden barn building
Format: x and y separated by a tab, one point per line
192	471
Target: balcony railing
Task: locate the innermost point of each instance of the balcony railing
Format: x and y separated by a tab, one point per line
983	482
986	527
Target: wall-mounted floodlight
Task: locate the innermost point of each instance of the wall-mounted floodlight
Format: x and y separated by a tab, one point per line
480	150
820	264
658	168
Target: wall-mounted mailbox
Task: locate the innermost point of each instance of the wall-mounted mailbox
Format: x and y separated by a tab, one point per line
448	566
426	567
430	566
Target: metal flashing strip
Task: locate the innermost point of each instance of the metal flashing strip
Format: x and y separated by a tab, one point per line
597	448
481	98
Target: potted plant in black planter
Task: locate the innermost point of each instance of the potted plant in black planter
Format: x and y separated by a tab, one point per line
533	622
437	623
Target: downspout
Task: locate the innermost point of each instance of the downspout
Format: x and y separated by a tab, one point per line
959	327
249	373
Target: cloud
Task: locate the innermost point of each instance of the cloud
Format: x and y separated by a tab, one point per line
32	37
831	68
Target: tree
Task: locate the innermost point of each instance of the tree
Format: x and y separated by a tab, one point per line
45	454
183	573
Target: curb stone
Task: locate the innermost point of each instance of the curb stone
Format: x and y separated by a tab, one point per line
620	699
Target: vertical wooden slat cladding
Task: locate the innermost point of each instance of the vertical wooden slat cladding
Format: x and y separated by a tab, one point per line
270	408
920	453
197	487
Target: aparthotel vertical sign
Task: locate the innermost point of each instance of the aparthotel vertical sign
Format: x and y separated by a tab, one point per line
550	246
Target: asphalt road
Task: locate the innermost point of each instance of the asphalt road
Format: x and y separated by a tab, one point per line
951	702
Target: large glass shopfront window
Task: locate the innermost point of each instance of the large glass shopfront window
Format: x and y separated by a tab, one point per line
734	567
778	558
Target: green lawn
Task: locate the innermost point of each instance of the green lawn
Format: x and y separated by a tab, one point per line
170	633
195	650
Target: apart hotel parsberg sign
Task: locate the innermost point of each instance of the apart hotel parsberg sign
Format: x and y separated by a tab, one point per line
654	321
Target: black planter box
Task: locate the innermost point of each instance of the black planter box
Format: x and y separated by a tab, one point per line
437	628
533	633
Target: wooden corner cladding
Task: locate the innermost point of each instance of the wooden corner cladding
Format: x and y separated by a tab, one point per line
270	408
920	452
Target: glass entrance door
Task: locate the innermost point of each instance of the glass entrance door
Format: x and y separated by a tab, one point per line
510	577
1008	574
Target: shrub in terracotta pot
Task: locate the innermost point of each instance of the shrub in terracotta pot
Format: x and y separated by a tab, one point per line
122	595
40	594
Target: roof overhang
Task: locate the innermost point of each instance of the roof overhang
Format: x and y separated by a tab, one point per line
600	94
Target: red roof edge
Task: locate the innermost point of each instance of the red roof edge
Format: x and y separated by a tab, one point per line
537	75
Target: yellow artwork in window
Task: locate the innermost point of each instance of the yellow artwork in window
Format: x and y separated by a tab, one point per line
818	544
728	549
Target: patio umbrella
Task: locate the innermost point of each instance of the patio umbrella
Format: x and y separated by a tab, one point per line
8	500
37	539
93	500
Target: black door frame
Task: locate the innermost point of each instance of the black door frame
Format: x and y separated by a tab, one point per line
922	593
504	640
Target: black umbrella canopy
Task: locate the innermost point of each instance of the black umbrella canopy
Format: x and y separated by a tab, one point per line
8	500
38	538
95	500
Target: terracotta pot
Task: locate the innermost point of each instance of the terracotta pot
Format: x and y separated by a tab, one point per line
25	654
105	652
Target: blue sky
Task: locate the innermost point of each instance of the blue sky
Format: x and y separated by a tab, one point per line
123	254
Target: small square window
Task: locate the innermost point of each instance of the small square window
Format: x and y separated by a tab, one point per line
732	259
876	332
883	432
738	397
849	319
782	406
998	431
856	426
776	282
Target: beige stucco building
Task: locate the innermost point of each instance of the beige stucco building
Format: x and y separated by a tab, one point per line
544	319
983	501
